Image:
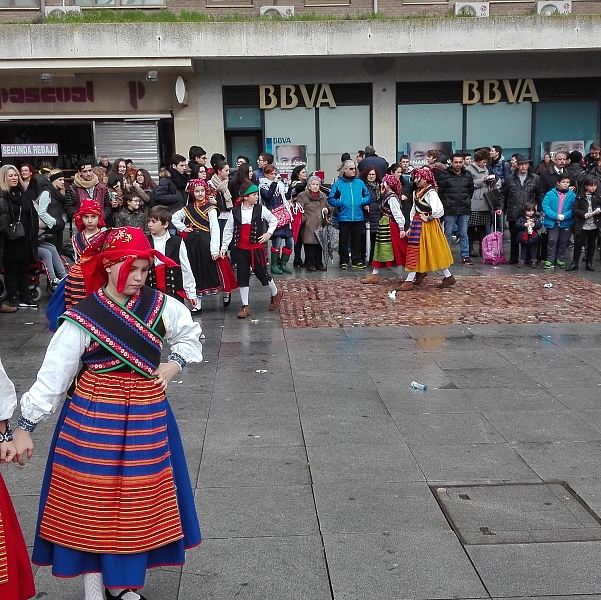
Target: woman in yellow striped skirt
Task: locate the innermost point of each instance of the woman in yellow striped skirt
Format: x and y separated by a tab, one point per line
427	246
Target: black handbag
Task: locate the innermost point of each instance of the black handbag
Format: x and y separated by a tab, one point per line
494	199
16	231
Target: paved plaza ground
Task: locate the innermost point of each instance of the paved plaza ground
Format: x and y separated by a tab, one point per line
320	474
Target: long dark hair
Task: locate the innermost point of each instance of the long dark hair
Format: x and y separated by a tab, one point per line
148	182
241	175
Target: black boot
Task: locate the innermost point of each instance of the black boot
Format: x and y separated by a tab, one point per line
589	266
573	266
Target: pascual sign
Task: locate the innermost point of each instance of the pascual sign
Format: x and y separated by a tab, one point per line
491	91
289	96
47	95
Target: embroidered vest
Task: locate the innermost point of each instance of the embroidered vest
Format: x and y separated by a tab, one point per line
124	338
173	275
257	226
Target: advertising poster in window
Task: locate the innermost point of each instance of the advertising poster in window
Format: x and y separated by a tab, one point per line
417	151
551	148
288	156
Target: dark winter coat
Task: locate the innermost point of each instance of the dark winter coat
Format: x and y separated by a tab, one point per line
313	216
10	203
455	191
522	236
580	208
373	160
515	194
374	206
548	179
167	193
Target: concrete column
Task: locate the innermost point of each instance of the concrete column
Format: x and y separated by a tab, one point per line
185	118
211	124
384	114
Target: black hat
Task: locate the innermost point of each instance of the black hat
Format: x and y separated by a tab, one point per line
522	158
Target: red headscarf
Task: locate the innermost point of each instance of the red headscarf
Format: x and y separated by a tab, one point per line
393	183
194	183
116	245
426	174
88	207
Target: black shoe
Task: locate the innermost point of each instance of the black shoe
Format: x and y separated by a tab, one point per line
512	262
298	264
343	266
227	300
359	265
589	266
27	302
13	300
467	261
109	596
573	266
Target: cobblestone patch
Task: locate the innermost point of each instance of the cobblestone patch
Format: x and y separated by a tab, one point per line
477	300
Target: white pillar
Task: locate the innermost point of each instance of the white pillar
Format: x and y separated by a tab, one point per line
384	115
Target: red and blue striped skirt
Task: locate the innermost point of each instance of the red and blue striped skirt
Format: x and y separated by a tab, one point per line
116	496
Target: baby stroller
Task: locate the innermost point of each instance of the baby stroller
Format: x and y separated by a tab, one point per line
34	281
492	246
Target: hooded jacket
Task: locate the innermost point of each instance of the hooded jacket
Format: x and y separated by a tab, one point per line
551	209
167	194
349	196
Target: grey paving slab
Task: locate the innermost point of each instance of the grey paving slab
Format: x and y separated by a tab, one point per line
331	430
327	382
462	463
391	383
253	431
576	341
383	345
453	344
274	568
430	401
354	402
577	397
478	377
483	358
336	362
545	426
538	569
232	381
281	465
270	403
364	333
563	460
589	491
377	507
262	511
362	462
438	331
389	566
324	348
315	335
508	330
490	400
439	430
252	348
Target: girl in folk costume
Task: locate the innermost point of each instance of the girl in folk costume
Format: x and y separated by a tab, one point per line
391	237
427	247
273	195
246	231
116	497
199	221
90	225
16	578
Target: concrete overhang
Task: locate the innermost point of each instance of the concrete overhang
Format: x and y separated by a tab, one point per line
175	46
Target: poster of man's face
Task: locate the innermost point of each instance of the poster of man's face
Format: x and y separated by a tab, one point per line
289	156
417	151
566	146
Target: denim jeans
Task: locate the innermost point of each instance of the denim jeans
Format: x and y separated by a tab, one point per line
462	221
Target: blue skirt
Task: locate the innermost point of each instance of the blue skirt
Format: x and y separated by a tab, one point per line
122	570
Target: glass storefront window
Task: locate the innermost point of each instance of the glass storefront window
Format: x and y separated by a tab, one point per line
342	129
503	124
565	126
242	118
425	126
290	127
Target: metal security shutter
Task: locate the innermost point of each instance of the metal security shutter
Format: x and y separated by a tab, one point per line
138	140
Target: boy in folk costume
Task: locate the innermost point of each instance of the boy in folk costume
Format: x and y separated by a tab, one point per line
177	281
116	497
391	237
199	224
245	228
16	578
427	247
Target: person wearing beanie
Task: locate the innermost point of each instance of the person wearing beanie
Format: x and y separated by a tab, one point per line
116	498
245	229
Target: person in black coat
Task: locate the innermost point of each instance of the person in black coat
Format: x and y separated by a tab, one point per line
373	181
456	188
18	254
520	187
587	213
549	177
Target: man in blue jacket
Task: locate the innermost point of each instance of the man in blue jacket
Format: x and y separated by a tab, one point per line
349	195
